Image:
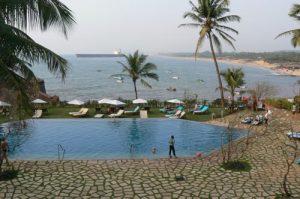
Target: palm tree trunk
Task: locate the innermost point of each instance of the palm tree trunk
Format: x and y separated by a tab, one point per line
232	100
135	90
217	69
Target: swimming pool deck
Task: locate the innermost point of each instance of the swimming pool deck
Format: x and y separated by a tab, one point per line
204	178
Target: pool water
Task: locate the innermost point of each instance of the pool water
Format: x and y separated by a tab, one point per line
110	138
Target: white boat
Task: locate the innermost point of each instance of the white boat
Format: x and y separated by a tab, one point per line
119	78
175	77
120	81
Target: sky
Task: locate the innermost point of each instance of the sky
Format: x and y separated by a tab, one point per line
151	26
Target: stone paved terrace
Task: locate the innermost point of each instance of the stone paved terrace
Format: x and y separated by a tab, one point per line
204	178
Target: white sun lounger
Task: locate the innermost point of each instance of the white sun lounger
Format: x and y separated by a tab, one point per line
37	114
120	112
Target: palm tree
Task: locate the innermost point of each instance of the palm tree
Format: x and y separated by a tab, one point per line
295	13
137	68
18	51
234	79
209	15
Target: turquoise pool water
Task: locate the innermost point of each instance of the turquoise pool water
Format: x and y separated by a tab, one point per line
110	138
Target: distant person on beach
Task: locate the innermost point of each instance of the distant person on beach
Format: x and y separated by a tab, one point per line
4	150
172	146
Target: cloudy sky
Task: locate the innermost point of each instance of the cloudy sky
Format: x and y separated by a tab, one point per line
152	26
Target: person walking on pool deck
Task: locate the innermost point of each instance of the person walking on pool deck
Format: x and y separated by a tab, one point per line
294	109
4	150
172	147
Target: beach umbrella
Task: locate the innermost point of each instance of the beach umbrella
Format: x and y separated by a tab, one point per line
104	101
39	101
175	101
116	103
139	101
4	104
75	102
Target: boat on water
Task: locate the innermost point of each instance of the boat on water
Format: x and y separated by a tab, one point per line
120	81
118	77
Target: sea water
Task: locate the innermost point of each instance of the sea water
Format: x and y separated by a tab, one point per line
91	79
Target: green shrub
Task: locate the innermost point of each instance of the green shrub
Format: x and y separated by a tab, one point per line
279	103
237	166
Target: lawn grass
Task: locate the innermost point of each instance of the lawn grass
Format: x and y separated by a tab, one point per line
63	112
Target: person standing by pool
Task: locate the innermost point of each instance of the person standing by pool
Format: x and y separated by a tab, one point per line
172	146
267	116
4	150
294	109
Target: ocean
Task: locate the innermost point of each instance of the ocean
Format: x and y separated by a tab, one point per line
91	79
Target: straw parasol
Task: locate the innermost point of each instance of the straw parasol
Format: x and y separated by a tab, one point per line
104	101
175	101
75	102
139	101
116	103
39	101
4	104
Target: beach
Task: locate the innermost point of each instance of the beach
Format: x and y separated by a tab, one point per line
255	63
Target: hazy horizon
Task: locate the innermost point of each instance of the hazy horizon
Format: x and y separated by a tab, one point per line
104	26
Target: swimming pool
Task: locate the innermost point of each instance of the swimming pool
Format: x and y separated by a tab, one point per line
110	138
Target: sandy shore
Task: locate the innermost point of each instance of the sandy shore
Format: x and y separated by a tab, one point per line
254	63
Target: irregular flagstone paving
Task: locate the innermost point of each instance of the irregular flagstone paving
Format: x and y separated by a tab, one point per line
203	178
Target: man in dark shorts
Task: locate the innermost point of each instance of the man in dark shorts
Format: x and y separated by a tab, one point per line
172	146
4	150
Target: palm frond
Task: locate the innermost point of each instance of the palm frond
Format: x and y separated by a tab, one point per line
295	11
227	28
226	39
37	14
17	42
217	43
229	18
200	41
192	25
151	76
146	84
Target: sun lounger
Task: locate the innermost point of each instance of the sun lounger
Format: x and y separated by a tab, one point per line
37	114
82	113
99	115
247	120
174	115
120	112
143	114
136	110
294	134
259	119
78	112
180	116
202	110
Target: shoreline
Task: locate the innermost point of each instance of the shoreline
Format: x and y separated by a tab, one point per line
253	63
